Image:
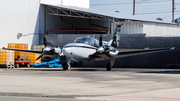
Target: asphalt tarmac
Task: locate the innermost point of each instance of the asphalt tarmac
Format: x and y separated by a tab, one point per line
86	84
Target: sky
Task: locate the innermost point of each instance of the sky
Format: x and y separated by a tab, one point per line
149	9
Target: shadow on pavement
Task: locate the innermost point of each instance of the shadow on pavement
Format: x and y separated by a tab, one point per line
162	72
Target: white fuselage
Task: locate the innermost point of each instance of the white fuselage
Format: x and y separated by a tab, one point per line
78	51
81	51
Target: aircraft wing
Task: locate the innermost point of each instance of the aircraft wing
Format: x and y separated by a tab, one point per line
30	51
53	54
144	51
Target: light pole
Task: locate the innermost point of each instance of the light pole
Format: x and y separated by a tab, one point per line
134	7
172	10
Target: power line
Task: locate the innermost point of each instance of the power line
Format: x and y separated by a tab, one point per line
156	12
147	10
139	2
127	3
169	15
156	6
144	13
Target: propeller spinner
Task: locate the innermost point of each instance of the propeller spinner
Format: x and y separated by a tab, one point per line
49	49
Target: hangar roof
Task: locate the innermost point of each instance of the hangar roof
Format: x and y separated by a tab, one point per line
69	11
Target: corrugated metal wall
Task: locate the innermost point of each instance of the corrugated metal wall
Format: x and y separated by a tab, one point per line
148	28
164	30
130	27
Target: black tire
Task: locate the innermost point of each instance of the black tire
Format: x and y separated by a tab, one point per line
108	67
12	66
8	66
28	65
65	66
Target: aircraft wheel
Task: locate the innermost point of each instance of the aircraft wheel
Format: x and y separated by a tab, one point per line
108	67
65	66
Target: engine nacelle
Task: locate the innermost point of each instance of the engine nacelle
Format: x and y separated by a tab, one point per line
113	51
100	50
57	50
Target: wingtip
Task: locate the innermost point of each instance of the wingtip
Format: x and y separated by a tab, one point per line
173	48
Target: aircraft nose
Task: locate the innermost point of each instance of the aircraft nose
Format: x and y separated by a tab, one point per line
65	50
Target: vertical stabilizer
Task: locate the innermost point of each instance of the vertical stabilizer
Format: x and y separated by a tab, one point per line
113	42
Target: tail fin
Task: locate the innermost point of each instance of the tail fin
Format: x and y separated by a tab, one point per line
113	42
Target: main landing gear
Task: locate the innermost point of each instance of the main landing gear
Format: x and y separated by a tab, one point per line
66	66
109	65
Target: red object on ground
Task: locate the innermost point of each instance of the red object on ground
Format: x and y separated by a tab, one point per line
22	61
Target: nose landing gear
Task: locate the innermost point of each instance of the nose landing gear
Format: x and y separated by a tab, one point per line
66	65
109	65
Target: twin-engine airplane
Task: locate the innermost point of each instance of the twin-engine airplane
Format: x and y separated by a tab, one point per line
89	49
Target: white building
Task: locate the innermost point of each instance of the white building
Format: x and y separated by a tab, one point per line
146	24
27	17
34	17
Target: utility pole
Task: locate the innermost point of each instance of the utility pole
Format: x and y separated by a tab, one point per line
172	10
134	7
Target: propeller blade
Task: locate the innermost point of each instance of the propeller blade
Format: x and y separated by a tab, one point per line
45	42
57	55
40	56
100	40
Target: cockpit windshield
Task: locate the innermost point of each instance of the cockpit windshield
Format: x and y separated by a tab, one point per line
84	40
88	41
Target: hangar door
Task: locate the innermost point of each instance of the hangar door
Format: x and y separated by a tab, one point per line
63	20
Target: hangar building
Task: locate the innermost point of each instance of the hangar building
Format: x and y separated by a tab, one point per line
34	17
26	21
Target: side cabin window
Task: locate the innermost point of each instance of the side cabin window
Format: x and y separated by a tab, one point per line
94	42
